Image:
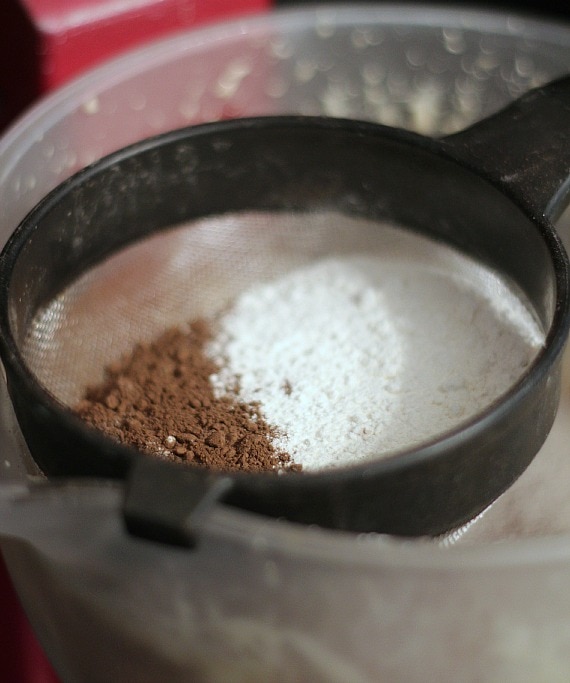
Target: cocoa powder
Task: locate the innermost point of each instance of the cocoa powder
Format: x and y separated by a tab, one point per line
159	398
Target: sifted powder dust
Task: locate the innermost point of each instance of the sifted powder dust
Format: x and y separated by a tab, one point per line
345	359
358	356
159	399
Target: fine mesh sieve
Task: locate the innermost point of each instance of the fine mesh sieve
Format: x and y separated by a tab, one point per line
225	205
430	294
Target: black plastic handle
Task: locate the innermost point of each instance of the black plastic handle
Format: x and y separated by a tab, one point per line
167	504
524	148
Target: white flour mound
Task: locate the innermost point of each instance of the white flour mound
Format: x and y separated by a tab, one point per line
354	357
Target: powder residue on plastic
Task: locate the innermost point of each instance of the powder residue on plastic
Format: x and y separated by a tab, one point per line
159	399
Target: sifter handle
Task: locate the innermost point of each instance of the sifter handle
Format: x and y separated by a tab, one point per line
525	148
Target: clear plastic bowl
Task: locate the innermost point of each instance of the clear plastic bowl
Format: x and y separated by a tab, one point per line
261	599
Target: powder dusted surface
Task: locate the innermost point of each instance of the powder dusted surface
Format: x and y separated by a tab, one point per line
350	340
355	357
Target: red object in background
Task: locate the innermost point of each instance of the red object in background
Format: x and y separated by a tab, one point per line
21	658
43	43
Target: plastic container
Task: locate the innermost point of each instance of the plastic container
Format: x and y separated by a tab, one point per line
259	599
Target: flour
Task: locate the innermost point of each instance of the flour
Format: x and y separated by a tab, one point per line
357	356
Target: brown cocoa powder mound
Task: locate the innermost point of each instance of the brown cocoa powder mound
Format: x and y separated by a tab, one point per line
159	399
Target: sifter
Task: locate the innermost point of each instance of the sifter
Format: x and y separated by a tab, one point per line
489	192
